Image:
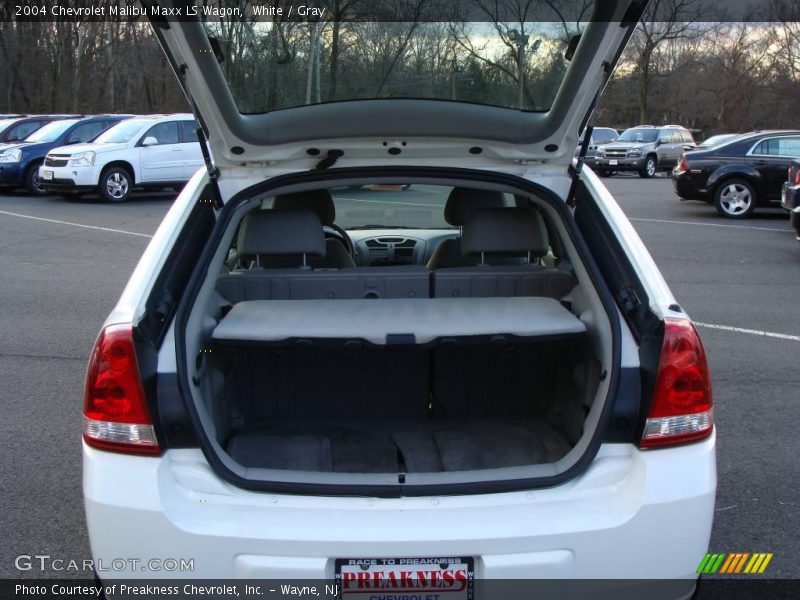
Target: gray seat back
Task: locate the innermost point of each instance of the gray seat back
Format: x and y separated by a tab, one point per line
320	284
460	205
493	236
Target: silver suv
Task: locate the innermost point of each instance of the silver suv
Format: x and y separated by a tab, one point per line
644	149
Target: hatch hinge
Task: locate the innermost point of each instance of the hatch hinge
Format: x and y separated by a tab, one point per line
329	160
628	299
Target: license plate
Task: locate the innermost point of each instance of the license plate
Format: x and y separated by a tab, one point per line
613	161
446	577
47	175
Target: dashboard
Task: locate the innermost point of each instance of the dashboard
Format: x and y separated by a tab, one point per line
385	247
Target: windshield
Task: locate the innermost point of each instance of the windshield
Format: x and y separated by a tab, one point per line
5	123
122	132
51	131
501	61
638	134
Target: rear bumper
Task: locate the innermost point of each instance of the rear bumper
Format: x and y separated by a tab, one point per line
687	189
631	515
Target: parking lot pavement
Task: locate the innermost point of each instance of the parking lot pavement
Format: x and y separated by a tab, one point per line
65	264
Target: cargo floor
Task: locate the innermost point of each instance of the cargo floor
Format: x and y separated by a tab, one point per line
397	446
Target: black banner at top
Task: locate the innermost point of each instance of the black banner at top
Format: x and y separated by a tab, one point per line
385	10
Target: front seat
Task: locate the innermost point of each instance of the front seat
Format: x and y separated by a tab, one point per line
338	253
460	205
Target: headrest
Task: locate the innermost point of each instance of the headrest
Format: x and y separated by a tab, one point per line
317	201
462	202
280	232
505	231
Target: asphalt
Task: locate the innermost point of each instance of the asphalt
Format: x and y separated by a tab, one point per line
59	281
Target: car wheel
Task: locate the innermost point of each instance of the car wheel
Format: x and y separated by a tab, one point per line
34	183
649	169
115	184
735	199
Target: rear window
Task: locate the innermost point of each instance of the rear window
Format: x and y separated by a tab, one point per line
638	134
516	62
378	206
787	146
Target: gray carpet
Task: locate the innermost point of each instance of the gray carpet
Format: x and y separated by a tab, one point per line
429	446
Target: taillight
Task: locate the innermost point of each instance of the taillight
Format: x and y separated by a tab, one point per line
682	408
115	415
797	177
682	167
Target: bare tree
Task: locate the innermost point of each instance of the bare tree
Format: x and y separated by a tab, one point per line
664	21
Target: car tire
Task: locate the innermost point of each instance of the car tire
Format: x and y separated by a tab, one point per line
32	182
650	167
115	184
735	199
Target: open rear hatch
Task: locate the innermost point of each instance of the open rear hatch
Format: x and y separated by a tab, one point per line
397	80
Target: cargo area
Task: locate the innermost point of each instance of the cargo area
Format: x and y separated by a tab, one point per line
425	399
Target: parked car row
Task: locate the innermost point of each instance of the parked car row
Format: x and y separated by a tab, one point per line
107	154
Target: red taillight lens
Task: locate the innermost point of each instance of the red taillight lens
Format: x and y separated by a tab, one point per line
797	177
682	168
682	407
115	415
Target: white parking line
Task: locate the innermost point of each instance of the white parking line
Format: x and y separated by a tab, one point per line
782	336
110	230
710	224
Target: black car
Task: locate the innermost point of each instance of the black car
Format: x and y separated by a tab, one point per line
740	174
790	197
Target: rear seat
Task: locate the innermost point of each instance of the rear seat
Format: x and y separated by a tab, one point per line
297	236
495	235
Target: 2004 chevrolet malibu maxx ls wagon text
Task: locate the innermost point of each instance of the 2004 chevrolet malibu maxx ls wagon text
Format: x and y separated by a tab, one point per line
399	333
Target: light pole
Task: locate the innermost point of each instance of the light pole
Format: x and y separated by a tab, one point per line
520	41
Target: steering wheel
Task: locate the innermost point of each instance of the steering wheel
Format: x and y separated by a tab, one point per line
338	233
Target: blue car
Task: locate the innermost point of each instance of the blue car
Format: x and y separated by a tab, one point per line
20	161
17	128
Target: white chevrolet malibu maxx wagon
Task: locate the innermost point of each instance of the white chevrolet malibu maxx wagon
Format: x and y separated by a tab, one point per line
391	336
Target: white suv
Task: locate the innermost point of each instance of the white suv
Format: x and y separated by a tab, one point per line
150	152
399	343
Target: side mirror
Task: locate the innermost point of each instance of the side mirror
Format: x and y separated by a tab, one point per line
660	141
150	141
